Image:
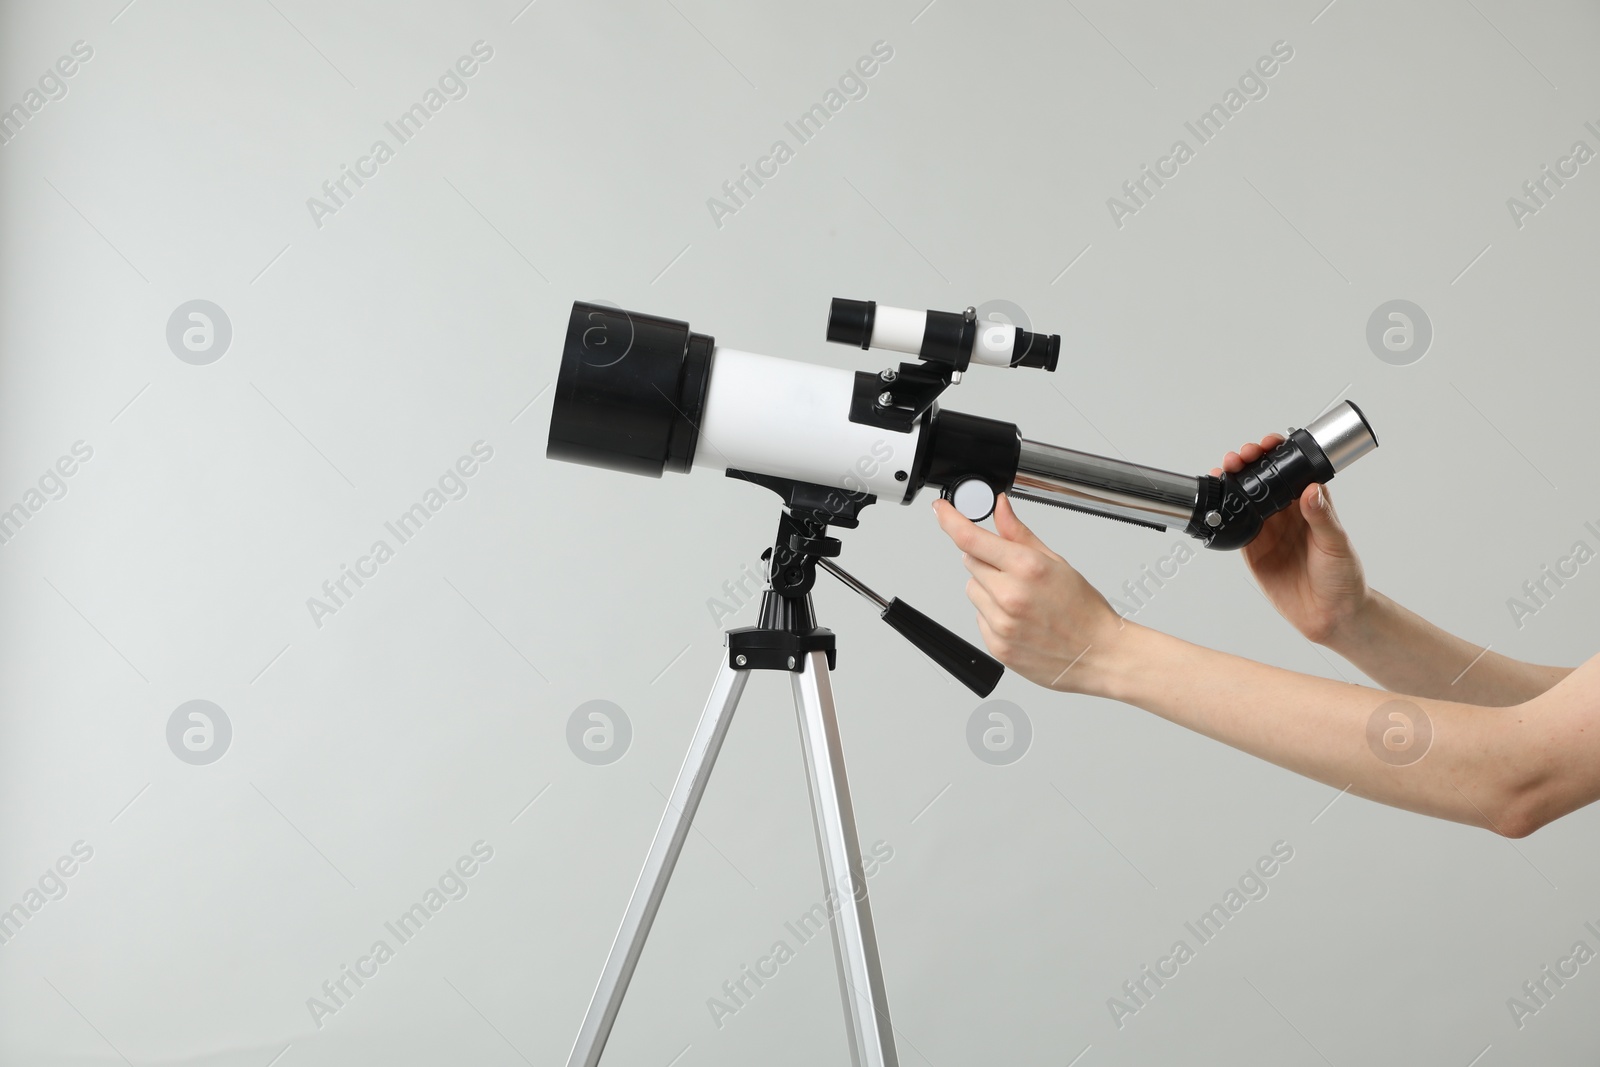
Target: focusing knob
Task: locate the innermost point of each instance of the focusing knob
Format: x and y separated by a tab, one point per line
973	497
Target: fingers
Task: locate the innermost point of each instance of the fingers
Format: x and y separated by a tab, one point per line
1314	501
987	615
987	579
1005	569
981	598
974	540
1012	528
977	567
991	584
984	577
1234	462
1327	532
1317	506
990	639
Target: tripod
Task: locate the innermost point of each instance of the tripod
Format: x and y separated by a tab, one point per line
787	638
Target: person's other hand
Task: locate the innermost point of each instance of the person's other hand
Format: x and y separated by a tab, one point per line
1302	557
1036	613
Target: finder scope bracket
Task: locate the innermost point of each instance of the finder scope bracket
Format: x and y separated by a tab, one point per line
895	400
946	342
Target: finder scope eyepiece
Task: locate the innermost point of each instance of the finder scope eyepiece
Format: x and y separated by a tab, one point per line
954	338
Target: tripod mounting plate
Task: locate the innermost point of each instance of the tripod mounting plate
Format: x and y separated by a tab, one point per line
821	505
762	648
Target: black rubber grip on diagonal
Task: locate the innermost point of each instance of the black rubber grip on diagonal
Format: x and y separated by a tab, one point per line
1245	500
971	666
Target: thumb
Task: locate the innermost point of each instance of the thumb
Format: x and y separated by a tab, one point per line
1326	529
1007	525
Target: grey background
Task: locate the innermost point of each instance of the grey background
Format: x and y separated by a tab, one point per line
367	755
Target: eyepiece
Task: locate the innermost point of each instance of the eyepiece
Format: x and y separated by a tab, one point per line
1036	350
1344	434
850	321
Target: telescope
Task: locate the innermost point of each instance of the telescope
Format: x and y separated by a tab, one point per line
646	395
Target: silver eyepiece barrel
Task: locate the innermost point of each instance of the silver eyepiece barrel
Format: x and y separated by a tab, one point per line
1343	434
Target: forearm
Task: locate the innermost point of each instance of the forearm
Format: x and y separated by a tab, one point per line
1319	728
1511	769
1405	653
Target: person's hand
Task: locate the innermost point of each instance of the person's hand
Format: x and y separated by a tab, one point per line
1037	615
1302	557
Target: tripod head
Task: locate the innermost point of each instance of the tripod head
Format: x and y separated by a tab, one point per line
786	630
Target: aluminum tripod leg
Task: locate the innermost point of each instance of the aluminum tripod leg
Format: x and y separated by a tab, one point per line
855	944
663	856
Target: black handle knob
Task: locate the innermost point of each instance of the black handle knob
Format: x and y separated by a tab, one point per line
971	666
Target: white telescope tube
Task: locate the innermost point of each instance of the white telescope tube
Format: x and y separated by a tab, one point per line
791	420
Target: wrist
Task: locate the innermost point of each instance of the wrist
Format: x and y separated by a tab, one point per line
1357	626
1110	667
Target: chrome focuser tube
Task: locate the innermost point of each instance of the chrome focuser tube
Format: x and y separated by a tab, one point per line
1100	485
1225	512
